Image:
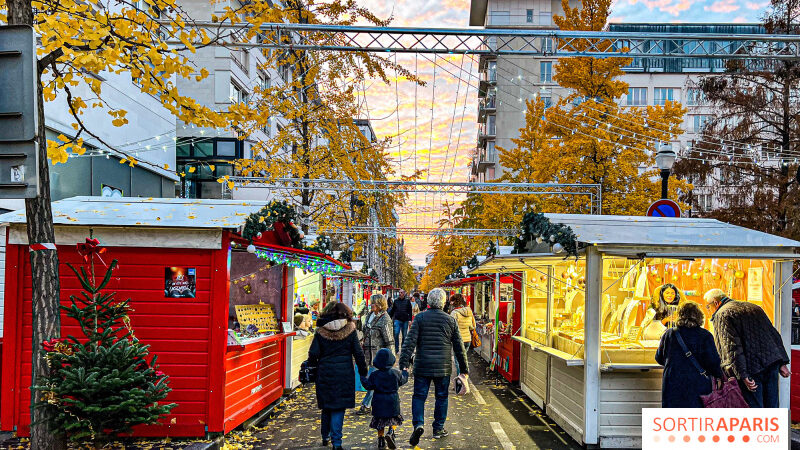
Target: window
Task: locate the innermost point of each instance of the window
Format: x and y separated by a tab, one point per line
283	71
637	96
491	152
695	97
499	18
264	81
662	95
226	148
491	124
237	94
546	72
699	122
491	71
548	101
547	45
529	16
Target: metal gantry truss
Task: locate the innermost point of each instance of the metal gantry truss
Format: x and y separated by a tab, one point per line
423	231
545	43
592	191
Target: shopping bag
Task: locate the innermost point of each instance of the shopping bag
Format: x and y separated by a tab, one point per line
729	396
359	386
476	338
461	385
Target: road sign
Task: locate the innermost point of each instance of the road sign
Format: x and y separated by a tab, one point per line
664	208
19	162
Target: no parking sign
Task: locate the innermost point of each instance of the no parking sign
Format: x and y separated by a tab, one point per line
664	208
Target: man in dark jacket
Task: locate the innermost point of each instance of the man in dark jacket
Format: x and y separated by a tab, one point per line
401	314
434	337
750	347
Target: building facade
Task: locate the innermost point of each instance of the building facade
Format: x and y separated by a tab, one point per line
507	81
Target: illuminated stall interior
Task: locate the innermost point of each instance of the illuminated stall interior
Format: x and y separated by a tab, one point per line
592	322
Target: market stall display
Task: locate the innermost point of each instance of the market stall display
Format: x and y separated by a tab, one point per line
592	322
214	306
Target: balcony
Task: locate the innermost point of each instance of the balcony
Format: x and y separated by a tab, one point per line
487	106
488	80
486	131
485	158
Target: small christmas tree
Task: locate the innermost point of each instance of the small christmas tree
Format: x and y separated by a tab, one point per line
102	384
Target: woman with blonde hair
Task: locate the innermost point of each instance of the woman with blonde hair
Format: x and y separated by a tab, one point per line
378	334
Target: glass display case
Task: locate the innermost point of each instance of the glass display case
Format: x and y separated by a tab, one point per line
640	299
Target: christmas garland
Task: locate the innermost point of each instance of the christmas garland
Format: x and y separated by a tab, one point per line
538	228
473	262
346	256
458	274
277	212
492	250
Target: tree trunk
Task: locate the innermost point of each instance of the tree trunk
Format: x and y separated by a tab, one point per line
44	263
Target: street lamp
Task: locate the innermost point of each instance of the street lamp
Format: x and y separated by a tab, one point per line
665	158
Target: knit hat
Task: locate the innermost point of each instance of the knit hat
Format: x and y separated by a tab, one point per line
384	359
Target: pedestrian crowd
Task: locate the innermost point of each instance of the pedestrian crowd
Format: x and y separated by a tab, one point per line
411	331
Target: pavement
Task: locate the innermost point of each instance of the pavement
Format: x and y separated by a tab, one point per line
495	415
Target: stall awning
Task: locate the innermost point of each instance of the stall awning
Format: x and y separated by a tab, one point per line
463	281
147	212
654	237
301	259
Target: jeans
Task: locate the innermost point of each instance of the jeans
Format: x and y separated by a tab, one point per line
766	393
368	398
399	327
421	386
331	426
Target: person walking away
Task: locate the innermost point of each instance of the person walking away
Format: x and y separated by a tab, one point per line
464	318
401	313
377	335
683	382
385	382
332	351
435	338
751	349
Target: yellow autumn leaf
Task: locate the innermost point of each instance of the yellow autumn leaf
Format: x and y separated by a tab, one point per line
192	169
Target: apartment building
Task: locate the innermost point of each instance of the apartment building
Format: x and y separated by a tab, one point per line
506	82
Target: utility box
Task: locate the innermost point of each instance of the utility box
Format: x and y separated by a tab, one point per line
19	156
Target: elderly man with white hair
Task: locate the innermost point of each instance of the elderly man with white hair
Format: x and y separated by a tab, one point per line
749	346
434	336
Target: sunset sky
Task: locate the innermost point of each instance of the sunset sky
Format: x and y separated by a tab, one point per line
445	131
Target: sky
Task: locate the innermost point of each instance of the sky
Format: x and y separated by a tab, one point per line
434	126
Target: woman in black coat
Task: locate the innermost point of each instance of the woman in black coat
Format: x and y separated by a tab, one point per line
683	383
332	351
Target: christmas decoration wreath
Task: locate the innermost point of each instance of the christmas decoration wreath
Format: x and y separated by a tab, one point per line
537	229
278	216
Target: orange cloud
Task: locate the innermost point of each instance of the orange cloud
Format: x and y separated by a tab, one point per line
723	6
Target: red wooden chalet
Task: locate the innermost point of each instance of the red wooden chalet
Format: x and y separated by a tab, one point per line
185	268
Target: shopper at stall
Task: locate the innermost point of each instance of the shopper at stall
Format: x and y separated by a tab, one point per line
377	329
302	324
385	382
332	351
434	338
464	318
750	348
686	378
401	314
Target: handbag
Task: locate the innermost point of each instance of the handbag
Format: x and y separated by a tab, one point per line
308	373
729	396
476	338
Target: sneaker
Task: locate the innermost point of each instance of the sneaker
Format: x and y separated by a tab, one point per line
325	442
438	434
363	410
414	440
381	442
390	439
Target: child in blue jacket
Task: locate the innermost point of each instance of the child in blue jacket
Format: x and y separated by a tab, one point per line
386	402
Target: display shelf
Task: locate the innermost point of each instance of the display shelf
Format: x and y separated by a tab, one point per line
566	357
629	366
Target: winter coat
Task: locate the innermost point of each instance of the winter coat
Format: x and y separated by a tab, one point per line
682	384
434	336
401	310
747	341
465	321
377	335
385	382
333	349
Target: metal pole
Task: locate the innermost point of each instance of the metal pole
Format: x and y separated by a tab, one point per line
664	183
